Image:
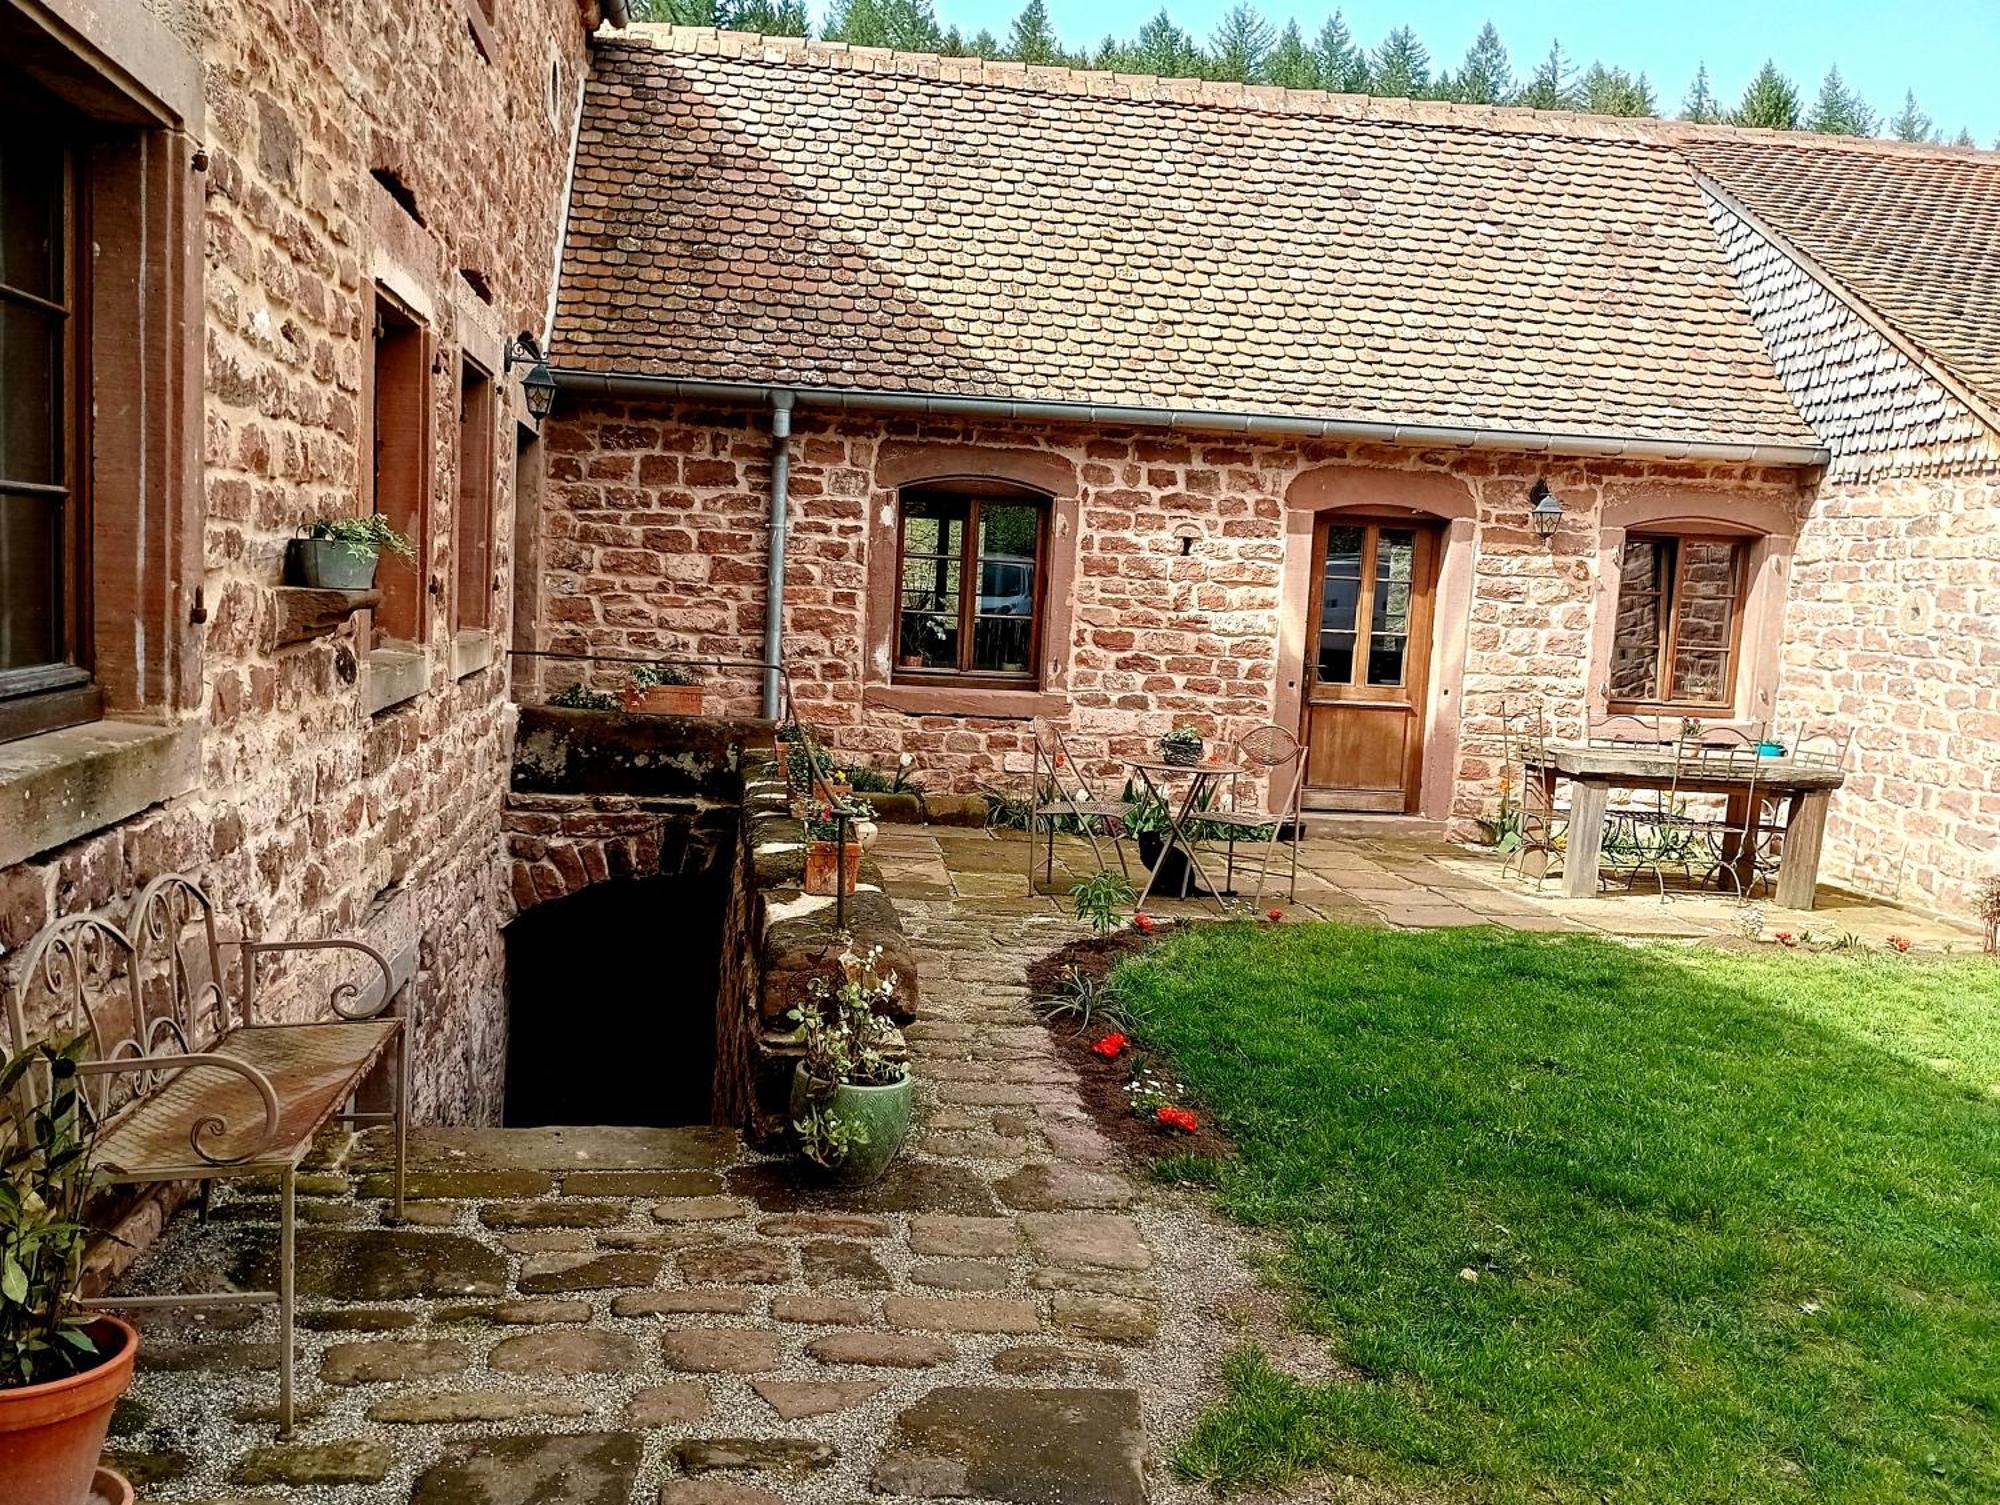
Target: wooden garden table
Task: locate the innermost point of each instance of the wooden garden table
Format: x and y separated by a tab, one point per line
1593	772
1202	778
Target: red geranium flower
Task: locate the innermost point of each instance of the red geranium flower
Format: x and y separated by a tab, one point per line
1111	1046
1143	923
1900	942
1178	1118
1786	938
1274	915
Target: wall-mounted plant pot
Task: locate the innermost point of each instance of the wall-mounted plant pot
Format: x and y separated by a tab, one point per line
828	863
327	564
51	1433
663	700
882	1114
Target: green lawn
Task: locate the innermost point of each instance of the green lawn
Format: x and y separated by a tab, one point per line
1735	1219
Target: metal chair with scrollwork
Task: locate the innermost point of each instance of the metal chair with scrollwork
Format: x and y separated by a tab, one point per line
1060	795
1275	761
180	1089
1535	825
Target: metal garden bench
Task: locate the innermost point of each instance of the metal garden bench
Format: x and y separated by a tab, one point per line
187	1089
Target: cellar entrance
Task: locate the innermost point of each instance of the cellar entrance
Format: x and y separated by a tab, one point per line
612	1003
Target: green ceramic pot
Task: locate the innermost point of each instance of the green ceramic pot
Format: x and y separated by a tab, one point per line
882	1113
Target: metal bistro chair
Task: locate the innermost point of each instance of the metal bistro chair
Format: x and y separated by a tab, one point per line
1720	845
1819	746
1274	754
1541	825
1059	791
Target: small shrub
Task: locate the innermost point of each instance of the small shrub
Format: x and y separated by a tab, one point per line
1098	899
652	676
1987	906
577	698
362	535
1086	1002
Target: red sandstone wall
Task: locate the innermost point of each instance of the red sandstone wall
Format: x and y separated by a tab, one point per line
1894	629
314	817
656	538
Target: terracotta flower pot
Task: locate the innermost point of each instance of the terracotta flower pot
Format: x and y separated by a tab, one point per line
664	700
828	863
51	1434
783	751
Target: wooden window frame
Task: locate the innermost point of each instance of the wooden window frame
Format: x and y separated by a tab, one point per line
974	494
64	692
472	581
405	583
1667	703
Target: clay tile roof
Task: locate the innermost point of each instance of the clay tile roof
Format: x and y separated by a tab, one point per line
770	210
1913	234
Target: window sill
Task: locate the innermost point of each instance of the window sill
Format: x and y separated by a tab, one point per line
62	785
395	675
471	651
961	700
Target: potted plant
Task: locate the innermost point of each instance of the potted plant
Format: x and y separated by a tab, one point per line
663	690
1181	747
851	1090
833	847
784	742
578	698
61	1370
342	553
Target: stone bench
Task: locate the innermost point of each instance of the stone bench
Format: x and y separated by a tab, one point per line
186	1088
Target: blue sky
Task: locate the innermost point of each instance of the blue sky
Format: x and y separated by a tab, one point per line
1944	49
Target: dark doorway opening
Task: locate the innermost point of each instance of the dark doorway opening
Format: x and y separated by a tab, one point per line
612	1001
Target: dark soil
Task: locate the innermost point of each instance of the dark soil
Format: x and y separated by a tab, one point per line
1101	1083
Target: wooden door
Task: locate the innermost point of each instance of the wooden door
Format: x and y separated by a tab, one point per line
1367	662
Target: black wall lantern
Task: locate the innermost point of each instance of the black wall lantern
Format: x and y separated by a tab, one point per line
1546	513
538	387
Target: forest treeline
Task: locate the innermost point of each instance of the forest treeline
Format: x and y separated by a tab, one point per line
1247	47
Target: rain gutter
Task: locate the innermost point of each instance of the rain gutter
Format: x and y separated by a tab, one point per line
1196	420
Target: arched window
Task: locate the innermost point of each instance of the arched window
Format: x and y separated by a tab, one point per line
1679	628
972	567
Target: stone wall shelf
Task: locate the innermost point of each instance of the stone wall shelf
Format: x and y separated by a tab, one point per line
305	613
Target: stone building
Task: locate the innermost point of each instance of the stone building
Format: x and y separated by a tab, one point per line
1124	402
260	265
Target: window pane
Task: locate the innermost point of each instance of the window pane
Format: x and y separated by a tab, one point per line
1701	676
928	640
1707	606
1003	633
1339	600
1645	567
30	590
31	213
1385	659
30	394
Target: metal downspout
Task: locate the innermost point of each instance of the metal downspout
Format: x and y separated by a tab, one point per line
774	590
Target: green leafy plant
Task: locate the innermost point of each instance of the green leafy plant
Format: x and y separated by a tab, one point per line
45	1178
846	1041
577	698
1143	812
1086	1002
1183	740
362	536
651	676
823	821
1099	899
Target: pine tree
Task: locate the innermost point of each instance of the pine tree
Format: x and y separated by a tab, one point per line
1839	110
1401	67
1549	87
1241	45
983	44
1613	91
908	25
1963	138
1486	76
1911	123
1163	48
1771	101
1342	66
774	18
1292	64
1700	106
1032	39
678	12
